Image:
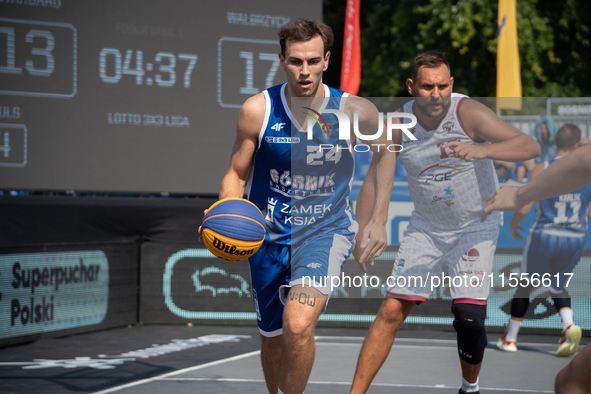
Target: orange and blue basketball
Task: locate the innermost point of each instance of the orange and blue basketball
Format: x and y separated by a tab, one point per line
233	229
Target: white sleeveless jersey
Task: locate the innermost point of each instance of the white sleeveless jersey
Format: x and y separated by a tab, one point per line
448	193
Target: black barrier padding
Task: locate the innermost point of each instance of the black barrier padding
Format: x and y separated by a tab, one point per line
171	294
178	287
30	220
113	291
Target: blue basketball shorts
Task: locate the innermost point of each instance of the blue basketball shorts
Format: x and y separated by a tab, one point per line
552	252
274	269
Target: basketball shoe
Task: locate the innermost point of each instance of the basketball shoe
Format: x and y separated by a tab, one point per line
507	345
569	342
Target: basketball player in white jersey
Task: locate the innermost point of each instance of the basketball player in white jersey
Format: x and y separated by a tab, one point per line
450	173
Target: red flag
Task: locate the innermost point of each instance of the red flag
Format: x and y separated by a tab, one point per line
351	66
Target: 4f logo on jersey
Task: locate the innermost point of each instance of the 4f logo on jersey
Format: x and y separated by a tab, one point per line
277	126
314	265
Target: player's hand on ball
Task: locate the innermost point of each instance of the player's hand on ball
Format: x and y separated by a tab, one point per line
465	151
201	227
233	229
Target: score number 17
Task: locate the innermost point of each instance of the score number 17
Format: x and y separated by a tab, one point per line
249	56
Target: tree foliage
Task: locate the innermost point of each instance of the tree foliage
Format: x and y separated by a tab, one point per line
554	44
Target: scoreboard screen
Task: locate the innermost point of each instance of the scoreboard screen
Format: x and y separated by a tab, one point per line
131	96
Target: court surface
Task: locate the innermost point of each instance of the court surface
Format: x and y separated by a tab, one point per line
220	359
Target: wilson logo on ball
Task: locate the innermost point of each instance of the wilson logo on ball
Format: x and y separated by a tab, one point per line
233	229
230	249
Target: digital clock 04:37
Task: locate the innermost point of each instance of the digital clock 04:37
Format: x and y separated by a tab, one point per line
113	66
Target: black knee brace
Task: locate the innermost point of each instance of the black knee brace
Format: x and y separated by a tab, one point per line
561	300
469	324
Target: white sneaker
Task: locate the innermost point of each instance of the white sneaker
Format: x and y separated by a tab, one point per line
507	345
569	343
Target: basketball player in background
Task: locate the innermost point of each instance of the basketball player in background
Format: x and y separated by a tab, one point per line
554	246
450	173
565	175
301	186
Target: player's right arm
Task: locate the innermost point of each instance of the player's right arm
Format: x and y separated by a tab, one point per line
522	212
567	174
250	121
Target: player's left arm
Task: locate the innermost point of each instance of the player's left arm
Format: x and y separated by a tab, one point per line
372	239
374	197
589	212
481	124
567	174
522	212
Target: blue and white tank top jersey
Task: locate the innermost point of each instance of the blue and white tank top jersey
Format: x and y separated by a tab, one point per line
567	211
302	185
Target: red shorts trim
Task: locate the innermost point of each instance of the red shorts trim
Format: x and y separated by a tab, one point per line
403	297
472	301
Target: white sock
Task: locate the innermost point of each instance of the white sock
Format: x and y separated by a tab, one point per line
281	392
566	314
512	329
470	387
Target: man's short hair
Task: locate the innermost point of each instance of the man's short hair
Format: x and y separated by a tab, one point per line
430	59
302	30
567	137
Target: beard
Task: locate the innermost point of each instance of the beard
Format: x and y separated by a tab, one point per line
431	107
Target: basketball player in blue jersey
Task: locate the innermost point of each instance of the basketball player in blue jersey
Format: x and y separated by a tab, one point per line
301	185
565	175
554	246
450	172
